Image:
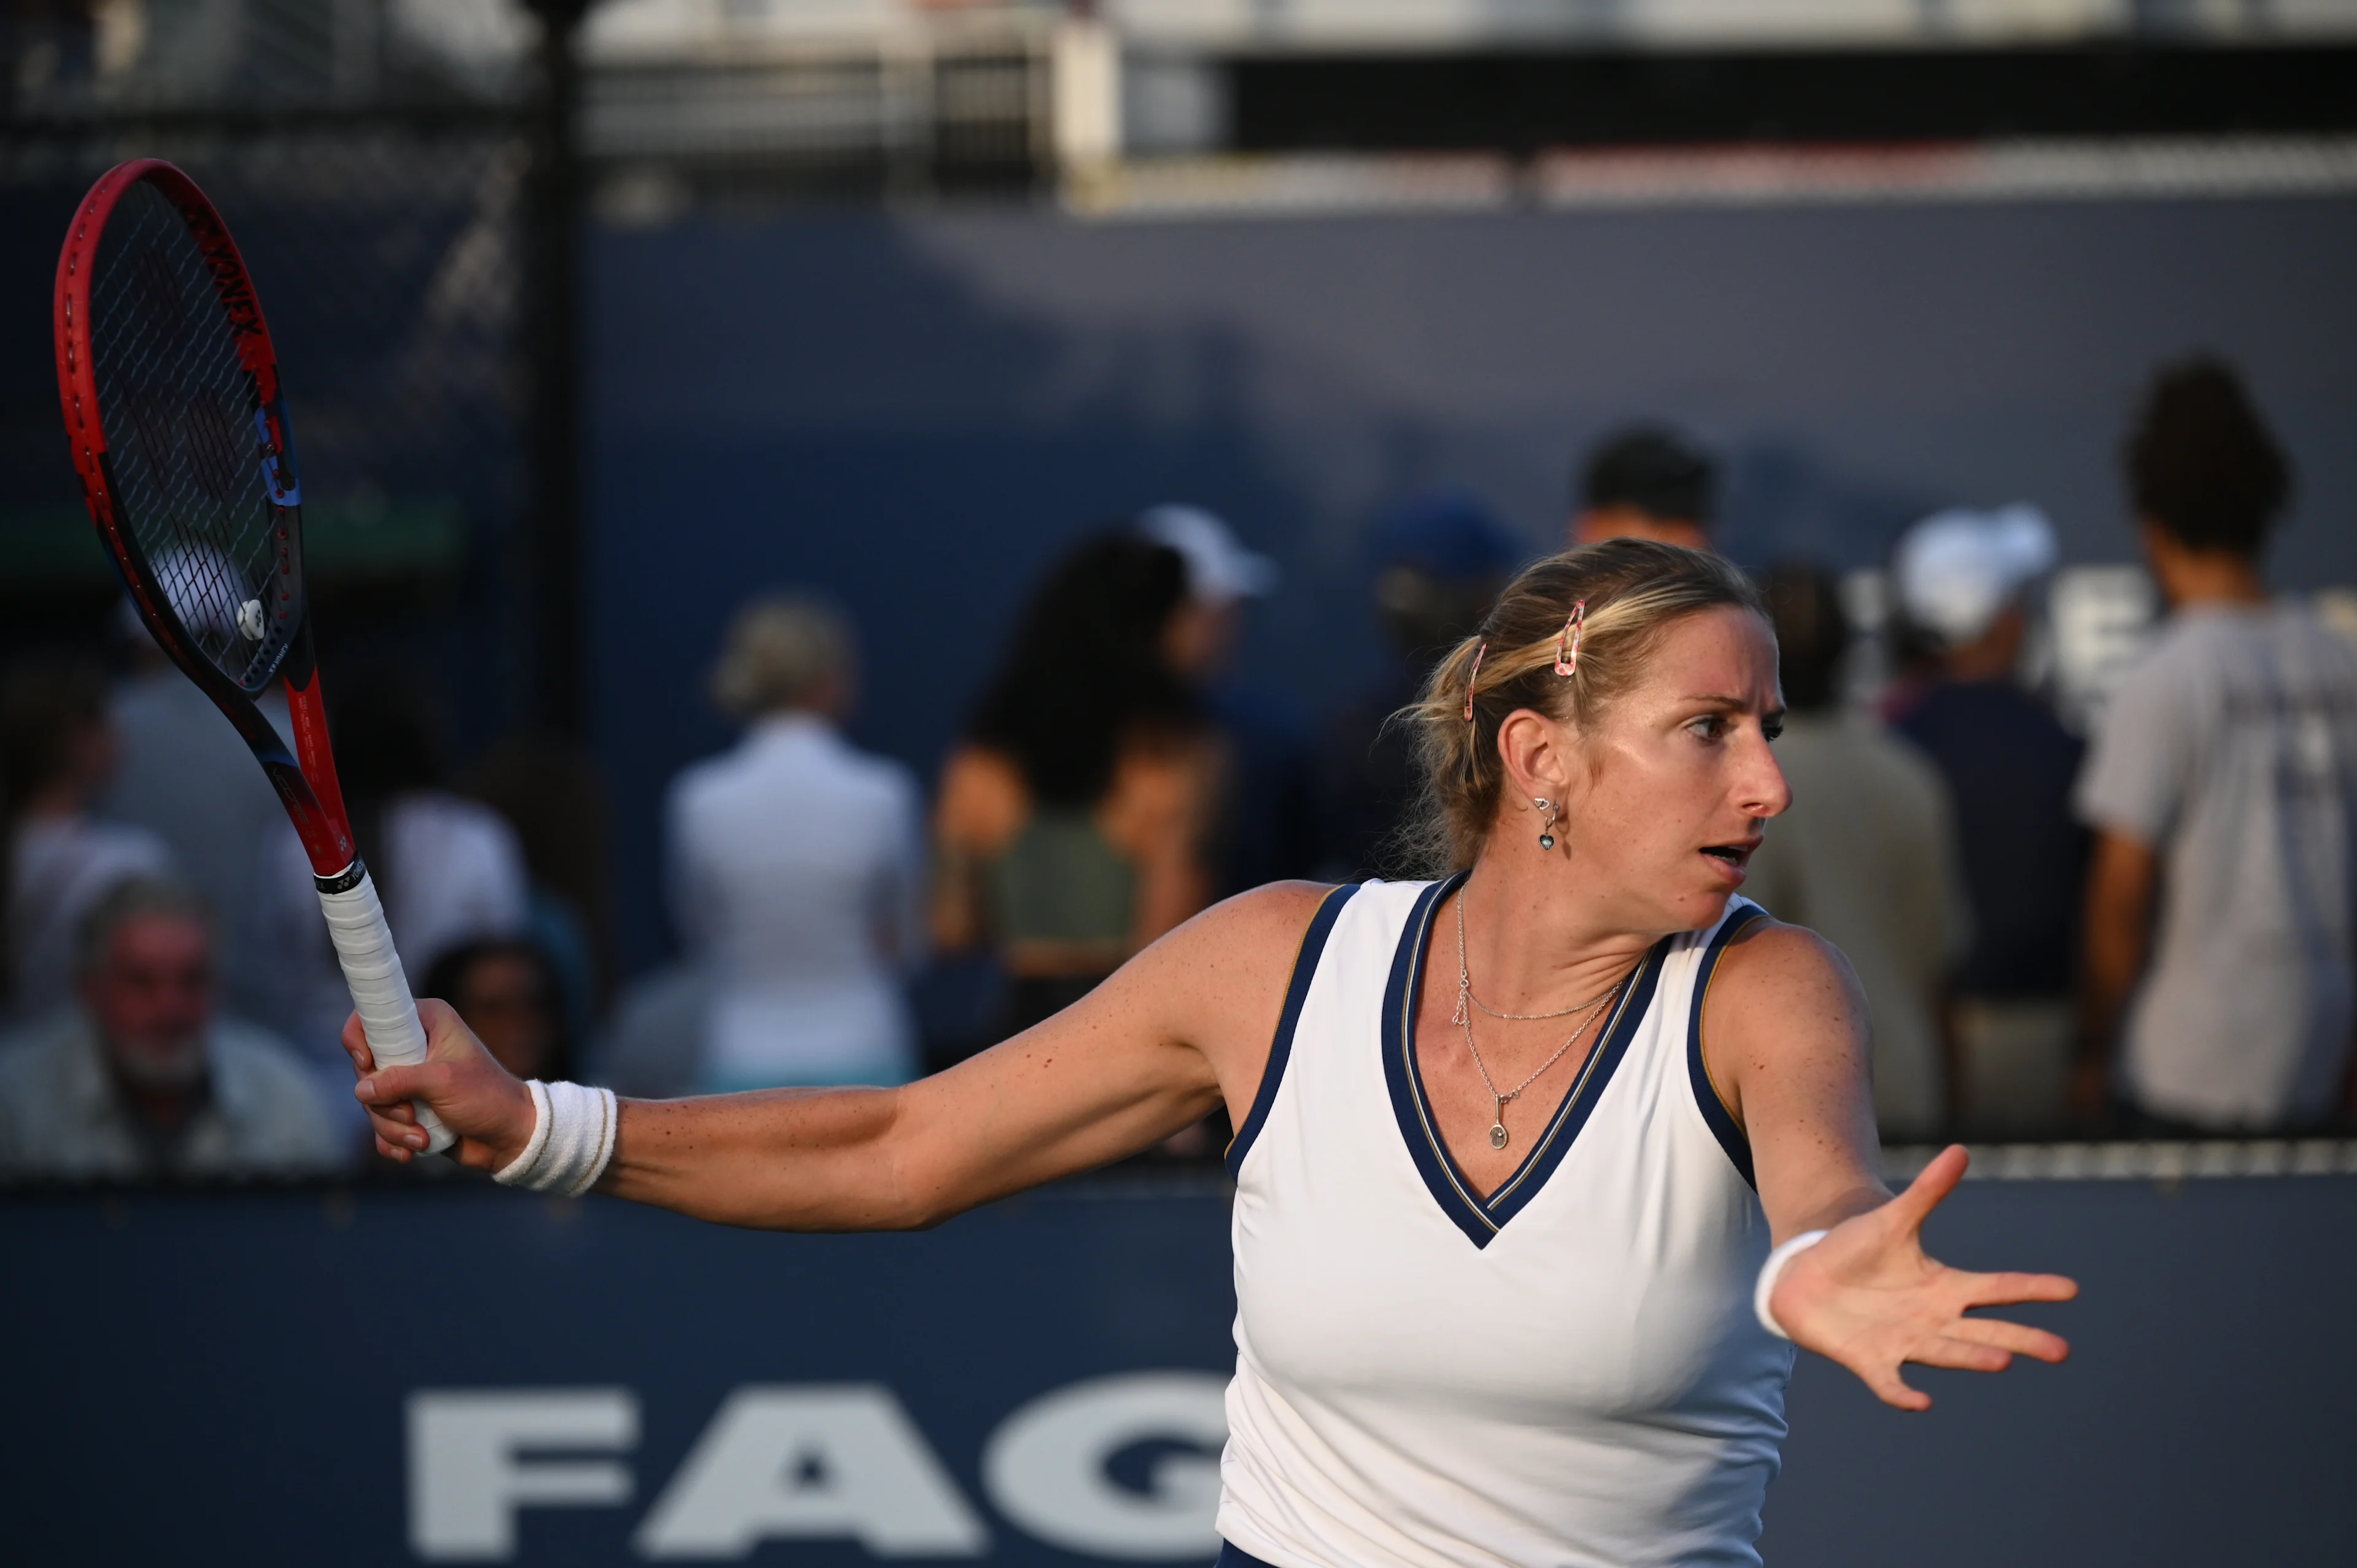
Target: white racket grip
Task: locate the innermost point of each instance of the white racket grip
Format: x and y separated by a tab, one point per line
380	990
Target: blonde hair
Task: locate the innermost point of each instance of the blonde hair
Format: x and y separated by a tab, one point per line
1636	589
783	651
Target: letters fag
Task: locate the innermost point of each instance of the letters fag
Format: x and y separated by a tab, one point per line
823	1461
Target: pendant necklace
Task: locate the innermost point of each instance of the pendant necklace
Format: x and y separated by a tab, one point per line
1465	1020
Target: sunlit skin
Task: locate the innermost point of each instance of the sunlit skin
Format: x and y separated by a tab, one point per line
1663	798
1659	810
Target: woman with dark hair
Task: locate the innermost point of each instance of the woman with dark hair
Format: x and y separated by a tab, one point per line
1071	825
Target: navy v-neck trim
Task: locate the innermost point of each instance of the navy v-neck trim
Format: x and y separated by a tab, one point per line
1714	1113
1280	1048
1481	1218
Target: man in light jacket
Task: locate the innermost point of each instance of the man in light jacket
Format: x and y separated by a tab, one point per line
138	1079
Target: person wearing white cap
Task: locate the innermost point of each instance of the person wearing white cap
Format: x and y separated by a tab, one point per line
1221	575
1268	827
1963	581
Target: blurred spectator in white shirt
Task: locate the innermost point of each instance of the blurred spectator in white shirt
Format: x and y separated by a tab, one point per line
449	869
1865	856
2222	906
142	1079
56	750
795	868
187	776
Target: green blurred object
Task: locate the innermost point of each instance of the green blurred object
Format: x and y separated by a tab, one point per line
367	536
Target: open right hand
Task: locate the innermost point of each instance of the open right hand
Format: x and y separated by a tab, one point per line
1869	1297
488	1107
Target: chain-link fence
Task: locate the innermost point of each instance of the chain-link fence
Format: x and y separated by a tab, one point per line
388	250
388	257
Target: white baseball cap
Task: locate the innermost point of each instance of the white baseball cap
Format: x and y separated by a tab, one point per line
1219	570
1958	570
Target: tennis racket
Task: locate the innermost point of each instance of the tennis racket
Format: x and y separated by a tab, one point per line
172	401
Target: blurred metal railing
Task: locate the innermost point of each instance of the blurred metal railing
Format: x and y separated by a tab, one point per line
2158	1161
958	104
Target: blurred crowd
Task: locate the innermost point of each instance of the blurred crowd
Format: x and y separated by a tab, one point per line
2134	924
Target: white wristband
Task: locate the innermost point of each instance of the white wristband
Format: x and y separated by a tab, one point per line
572	1139
1768	1272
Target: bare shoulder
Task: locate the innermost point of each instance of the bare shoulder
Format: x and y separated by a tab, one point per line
1276	908
1781	989
1158	786
983	800
1228	966
1784	1040
1232	962
1259	930
1770	960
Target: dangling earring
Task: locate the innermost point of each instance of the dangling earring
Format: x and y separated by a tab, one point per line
1546	833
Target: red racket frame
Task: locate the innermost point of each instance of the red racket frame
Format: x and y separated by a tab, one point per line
306	780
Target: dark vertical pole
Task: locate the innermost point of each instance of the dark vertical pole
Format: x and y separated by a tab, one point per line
557	563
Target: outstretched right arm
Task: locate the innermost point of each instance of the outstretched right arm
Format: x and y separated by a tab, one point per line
1178	1029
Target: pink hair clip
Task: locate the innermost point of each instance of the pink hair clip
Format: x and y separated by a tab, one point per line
1566	647
1470	678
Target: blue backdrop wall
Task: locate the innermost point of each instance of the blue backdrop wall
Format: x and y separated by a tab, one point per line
475	1375
914	412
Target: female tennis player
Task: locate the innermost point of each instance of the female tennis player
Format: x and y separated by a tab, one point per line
1512	1144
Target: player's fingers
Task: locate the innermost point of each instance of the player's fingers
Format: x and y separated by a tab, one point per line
447	1039
2018	1337
1894	1390
386	1086
1936	1182
356	1046
2003	1290
393	1128
1961	1354
391	1151
392	1115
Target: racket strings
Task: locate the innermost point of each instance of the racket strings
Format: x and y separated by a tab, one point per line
179	407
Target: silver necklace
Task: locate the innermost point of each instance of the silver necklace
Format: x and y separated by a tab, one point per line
1465	987
1465	1021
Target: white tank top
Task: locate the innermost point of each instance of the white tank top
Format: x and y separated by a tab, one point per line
1563	1374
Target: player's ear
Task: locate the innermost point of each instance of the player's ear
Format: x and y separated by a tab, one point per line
1537	753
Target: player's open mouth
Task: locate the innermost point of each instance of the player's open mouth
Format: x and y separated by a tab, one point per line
1734	855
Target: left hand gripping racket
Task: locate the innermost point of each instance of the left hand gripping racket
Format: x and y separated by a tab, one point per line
171	396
